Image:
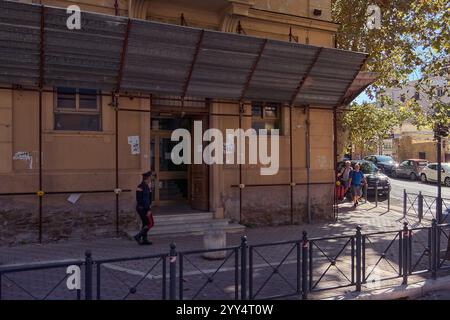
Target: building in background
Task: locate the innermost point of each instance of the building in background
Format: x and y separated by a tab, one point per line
407	141
113	92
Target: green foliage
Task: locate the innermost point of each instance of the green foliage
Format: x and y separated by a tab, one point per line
414	34
368	125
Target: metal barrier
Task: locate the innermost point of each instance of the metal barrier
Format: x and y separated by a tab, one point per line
331	262
134	282
209	276
423	206
36	288
301	266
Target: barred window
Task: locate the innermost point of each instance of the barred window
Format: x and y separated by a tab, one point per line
77	109
266	116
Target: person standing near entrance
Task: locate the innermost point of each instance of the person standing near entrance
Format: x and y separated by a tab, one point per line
144	201
356	181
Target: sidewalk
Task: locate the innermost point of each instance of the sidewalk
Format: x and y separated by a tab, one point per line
370	218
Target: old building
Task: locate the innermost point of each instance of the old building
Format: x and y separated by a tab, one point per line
85	111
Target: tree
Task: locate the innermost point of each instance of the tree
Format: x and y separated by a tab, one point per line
414	37
368	125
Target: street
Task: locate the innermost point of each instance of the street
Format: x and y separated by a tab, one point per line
398	185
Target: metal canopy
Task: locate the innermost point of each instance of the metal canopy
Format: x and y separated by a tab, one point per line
118	54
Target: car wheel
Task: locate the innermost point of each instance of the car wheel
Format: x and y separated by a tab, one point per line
413	176
423	178
447	182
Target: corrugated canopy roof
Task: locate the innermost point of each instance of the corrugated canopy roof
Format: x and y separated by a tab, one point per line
118	54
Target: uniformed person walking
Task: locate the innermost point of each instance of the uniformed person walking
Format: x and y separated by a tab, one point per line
144	201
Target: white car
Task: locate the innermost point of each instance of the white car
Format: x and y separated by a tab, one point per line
429	173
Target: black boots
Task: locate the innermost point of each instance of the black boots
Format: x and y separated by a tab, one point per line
141	237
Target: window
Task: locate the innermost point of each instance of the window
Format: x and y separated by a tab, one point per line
402	97
417	95
440	92
266	116
77	109
422	155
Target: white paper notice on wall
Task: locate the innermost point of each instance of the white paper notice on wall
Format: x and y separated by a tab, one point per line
74	197
133	141
24	156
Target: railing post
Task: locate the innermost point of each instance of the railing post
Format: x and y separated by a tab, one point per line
420	205
389	199
305	244
404	202
358	258
88	275
244	268
173	272
405	246
433	249
376	193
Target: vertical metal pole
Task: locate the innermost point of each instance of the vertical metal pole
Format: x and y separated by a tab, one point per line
236	274
335	159
88	275
99	284
116	110
389	199
420	206
439	179
308	166
291	170
41	84
173	273
250	273
305	244
405	195
244	268
376	193
298	247
358	258
241	110
433	249
405	252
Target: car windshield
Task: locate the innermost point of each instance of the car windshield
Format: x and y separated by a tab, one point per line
422	163
384	158
446	166
368	167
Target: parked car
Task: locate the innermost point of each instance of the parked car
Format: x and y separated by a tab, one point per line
429	173
372	175
385	163
410	168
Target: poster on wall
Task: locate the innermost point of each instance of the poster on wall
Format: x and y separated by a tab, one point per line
133	141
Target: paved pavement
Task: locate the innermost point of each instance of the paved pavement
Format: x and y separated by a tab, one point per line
215	279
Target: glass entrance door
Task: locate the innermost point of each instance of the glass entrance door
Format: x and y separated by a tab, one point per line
171	185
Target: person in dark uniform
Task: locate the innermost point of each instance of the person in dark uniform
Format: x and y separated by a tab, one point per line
144	201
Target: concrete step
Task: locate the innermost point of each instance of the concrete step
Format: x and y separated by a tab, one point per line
182	218
189	224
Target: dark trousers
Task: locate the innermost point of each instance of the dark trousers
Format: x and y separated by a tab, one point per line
144	219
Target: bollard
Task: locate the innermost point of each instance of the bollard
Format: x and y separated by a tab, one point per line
404	203
365	192
389	199
244	268
358	258
173	272
376	193
420	206
88	275
305	266
433	249
405	246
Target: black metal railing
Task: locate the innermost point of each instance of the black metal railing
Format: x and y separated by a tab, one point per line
424	206
293	268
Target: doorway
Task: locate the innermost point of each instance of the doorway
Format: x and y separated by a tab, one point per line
182	188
